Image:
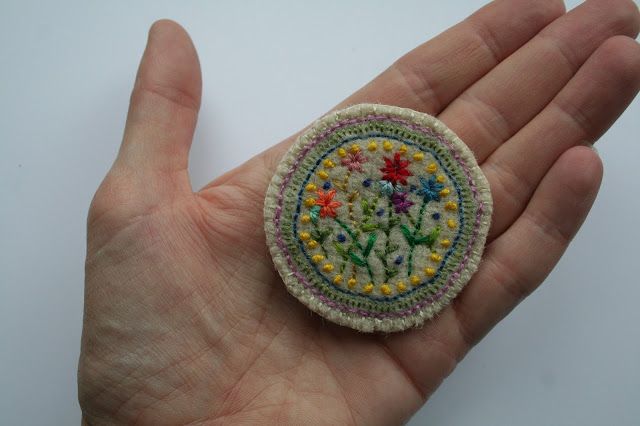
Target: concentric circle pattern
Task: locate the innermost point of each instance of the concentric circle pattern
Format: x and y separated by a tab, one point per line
377	217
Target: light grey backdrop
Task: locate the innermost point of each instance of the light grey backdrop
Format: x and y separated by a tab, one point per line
568	355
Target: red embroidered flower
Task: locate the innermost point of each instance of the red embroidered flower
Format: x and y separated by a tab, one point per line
396	170
327	205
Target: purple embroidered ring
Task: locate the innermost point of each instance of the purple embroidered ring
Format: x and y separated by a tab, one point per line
377	217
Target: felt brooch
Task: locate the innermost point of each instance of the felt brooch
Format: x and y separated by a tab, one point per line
377	217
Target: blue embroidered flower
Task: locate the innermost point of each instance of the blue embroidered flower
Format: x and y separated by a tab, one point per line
430	190
386	187
327	185
341	238
398	260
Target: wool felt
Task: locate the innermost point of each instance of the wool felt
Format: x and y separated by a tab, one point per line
377	217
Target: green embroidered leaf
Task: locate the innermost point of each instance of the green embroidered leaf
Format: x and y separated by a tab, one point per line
365	207
420	239
341	251
370	242
430	239
390	273
315	213
320	235
356	259
433	236
368	227
407	235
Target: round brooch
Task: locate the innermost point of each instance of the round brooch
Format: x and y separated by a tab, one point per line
377	217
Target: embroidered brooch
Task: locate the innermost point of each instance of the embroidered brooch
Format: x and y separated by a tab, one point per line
377	217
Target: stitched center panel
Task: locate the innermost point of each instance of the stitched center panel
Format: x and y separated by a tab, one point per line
378	216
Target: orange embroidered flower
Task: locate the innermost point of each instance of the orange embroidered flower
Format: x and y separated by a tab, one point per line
327	205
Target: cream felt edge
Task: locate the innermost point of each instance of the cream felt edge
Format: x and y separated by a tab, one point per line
355	321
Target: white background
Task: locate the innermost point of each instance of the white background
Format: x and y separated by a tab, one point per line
569	355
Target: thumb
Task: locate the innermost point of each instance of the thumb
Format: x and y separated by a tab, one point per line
162	114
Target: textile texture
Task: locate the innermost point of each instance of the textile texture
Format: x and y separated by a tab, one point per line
377	217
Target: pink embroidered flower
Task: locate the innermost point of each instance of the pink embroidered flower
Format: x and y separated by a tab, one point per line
354	161
327	205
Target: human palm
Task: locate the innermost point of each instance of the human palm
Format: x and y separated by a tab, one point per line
186	320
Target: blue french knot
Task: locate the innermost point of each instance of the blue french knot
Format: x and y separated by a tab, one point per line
436	216
366	183
380	212
430	190
327	185
341	238
398	260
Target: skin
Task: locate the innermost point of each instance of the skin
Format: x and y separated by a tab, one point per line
523	83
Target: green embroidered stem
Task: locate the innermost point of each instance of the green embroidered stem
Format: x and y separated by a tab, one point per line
412	220
348	230
387	245
321	240
412	244
370	271
419	224
365	251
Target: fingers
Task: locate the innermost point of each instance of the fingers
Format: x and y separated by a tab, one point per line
432	75
582	111
519	260
499	104
512	267
163	110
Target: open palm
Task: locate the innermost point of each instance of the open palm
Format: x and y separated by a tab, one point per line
186	320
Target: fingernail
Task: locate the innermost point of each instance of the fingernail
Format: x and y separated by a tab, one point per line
591	146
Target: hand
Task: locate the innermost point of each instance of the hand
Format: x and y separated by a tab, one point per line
186	320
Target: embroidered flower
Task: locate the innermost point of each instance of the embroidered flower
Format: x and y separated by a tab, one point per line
327	205
386	187
354	161
400	202
430	190
395	170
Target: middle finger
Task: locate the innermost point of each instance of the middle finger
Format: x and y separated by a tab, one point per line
498	105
